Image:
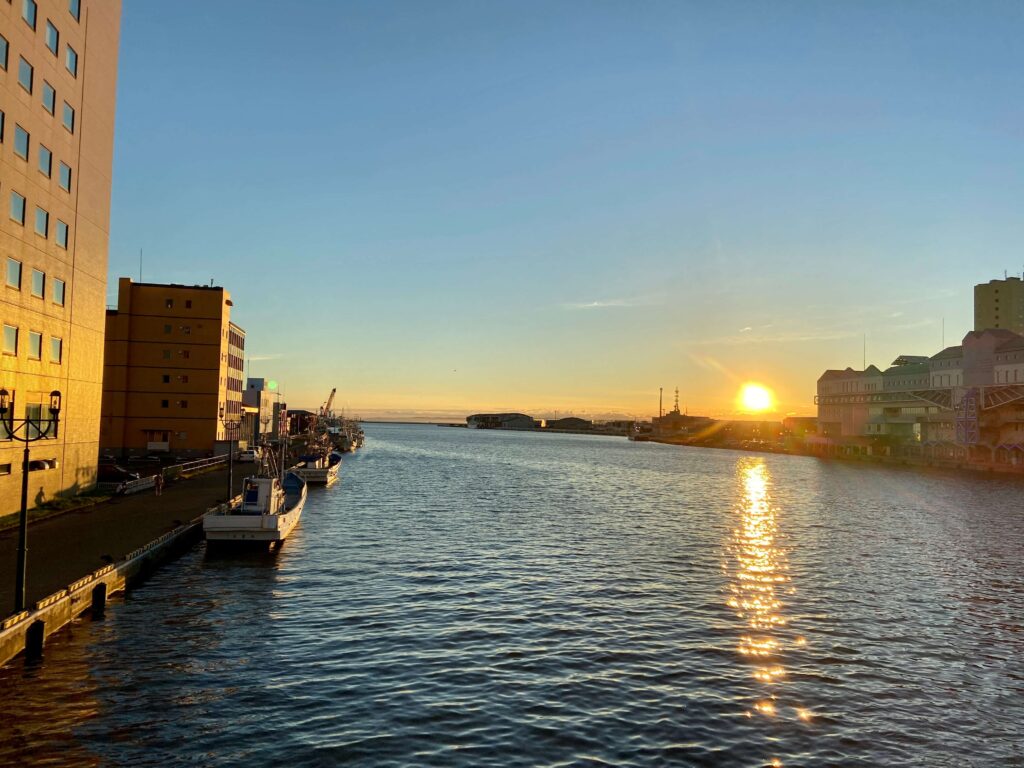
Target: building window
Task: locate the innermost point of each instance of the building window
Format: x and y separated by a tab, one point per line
75	8
188	303
165	403
57	292
187	330
62	234
183	379
167	378
56	349
35	345
167	354
42	222
69	117
183	403
45	161
167	329
65	177
21	142
28	12
185	354
3	52
10	340
49	98
71	60
14	273
38	283
52	37
5	469
18	208
34	417
169	303
2	121
25	74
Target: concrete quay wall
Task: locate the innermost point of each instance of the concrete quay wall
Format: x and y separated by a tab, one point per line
27	631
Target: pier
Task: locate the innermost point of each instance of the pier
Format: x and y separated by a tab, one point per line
78	559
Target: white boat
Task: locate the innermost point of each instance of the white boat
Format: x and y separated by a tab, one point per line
317	469
267	512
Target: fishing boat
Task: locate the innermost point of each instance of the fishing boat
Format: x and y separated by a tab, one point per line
319	468
267	511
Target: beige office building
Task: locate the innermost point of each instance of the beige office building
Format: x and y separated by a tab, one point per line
173	360
999	304
58	73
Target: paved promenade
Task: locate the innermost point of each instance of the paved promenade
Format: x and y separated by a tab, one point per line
64	548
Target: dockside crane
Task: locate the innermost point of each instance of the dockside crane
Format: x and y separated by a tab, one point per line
325	409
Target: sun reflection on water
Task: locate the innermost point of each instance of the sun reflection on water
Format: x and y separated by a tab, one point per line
759	576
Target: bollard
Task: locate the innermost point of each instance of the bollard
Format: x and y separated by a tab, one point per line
34	640
99	600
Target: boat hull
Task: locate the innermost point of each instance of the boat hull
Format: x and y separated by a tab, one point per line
253	528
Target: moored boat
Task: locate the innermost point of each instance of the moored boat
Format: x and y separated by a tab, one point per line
267	512
319	469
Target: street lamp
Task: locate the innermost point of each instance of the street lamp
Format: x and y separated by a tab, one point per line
11	428
230	425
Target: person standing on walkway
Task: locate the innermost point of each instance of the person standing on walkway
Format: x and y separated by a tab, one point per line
158	483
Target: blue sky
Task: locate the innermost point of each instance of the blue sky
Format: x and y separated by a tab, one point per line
453	206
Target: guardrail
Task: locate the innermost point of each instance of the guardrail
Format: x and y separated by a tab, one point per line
127	487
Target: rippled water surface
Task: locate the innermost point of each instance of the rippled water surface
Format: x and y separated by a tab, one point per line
474	598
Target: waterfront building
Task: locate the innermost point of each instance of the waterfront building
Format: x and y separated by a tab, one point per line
174	359
999	304
569	422
56	149
501	421
259	397
964	403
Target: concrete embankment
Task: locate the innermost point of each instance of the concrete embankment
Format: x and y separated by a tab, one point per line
78	559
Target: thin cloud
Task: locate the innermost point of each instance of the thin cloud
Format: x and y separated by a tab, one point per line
604	304
259	358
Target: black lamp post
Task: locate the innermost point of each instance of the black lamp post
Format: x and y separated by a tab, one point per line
11	428
230	425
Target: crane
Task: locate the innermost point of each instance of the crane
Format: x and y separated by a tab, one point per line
325	409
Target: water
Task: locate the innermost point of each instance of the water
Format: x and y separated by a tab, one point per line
482	598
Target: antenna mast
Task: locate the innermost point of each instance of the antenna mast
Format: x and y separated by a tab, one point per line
660	412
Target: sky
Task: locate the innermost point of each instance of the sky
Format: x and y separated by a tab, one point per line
442	208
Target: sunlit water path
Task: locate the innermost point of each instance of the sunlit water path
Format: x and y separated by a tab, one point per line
471	598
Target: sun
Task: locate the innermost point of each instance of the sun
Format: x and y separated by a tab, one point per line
755	398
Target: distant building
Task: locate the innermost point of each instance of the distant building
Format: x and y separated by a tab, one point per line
964	403
259	396
501	421
57	142
999	304
173	360
570	422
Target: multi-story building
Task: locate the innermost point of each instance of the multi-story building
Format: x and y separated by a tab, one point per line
999	304
173	368
964	403
259	396
58	73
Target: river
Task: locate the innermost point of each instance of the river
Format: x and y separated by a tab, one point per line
481	598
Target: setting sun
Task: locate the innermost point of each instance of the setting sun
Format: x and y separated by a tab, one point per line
755	398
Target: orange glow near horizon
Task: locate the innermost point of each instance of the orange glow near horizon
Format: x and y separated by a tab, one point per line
755	398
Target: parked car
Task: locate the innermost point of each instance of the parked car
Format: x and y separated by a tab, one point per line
112	473
252	455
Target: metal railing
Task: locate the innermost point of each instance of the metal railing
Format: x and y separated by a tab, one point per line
127	487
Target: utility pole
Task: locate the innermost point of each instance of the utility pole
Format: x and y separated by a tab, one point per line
660	391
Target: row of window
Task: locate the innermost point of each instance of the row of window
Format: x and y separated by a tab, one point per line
22	148
42	223
30	13
26	79
38	285
12	335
